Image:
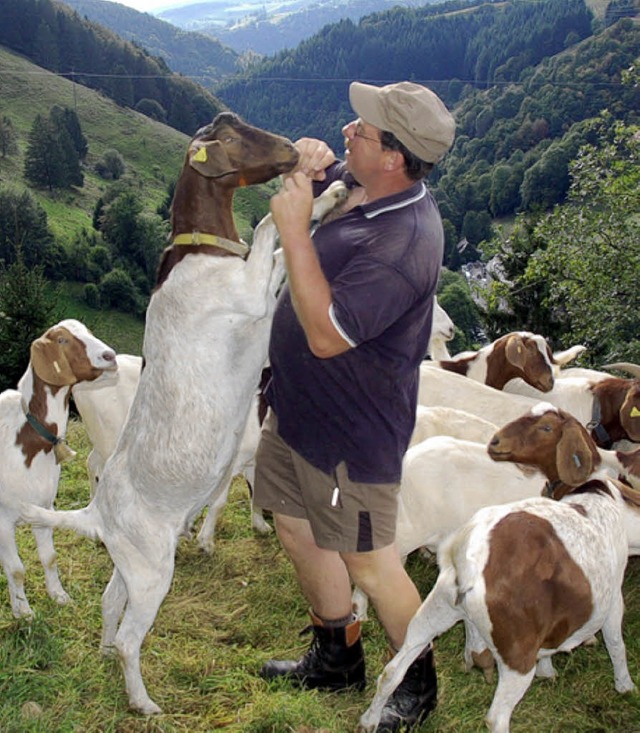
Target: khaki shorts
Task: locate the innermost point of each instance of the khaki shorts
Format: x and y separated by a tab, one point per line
345	516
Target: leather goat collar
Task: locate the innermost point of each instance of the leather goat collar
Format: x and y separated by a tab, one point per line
199	238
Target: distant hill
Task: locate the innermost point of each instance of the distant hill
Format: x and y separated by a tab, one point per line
53	35
268	27
196	55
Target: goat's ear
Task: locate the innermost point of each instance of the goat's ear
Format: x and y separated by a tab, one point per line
514	350
50	364
210	160
574	457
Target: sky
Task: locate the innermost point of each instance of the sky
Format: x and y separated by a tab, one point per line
150	6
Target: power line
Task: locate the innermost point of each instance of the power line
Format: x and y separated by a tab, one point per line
325	80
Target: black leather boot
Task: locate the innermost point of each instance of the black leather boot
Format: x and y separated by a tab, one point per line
413	699
334	661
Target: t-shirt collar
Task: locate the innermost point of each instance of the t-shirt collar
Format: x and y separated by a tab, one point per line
395	201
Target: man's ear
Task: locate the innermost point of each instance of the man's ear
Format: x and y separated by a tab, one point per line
393	160
210	160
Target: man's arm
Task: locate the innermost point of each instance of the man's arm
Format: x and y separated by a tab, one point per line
310	290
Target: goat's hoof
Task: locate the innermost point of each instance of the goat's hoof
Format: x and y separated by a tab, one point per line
262	527
23	611
148	707
207	546
61	598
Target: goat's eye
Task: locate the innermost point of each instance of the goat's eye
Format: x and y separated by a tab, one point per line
62	340
229	139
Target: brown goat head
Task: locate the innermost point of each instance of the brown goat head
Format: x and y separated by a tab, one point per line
230	147
222	156
550	440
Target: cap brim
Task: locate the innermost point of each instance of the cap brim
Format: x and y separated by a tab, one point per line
365	101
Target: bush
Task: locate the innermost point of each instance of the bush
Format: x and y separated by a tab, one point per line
118	291
111	166
91	295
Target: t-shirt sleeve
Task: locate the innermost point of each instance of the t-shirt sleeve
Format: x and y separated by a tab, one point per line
368	297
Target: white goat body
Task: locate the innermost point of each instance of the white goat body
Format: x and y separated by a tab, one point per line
32	419
104	405
440	420
439	387
566	559
205	344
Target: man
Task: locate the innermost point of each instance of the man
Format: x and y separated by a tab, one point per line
349	333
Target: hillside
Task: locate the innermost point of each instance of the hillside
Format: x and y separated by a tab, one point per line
152	151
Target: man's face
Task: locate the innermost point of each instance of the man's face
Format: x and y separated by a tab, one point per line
363	149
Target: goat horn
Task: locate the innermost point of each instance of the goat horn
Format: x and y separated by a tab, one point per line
625	366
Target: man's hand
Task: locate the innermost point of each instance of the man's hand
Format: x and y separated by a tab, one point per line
315	156
291	208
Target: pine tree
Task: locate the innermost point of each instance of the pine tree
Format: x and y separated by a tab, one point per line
26	310
51	159
8	137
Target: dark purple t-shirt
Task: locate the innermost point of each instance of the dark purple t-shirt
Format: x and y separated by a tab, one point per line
382	260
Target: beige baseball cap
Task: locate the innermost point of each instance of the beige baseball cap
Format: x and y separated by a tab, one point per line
413	113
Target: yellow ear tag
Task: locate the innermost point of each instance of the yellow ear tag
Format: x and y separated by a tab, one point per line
635	412
201	156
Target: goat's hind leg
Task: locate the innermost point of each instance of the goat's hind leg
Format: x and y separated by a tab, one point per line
114	599
147	582
612	635
511	687
435	616
47	554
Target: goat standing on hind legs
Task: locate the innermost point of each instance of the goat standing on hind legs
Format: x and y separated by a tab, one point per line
205	344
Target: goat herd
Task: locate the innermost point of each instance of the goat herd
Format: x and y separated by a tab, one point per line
528	574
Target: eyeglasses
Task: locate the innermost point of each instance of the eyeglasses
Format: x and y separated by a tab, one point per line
358	133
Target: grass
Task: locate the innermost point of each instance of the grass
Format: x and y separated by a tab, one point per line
224	616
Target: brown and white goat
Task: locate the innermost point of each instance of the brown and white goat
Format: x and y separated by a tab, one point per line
205	344
519	354
33	423
531	577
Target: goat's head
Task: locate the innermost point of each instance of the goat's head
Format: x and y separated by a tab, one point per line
620	400
441	325
231	148
550	440
528	357
68	353
222	156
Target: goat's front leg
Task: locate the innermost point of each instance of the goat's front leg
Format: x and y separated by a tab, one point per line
47	554
14	570
435	616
